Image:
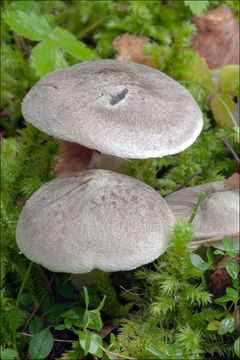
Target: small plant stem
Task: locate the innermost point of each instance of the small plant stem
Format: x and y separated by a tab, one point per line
57	340
207	241
234	122
90	28
196	208
226	143
188	180
18	300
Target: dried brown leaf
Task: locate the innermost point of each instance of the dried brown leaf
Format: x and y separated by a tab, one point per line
233	182
130	48
217	38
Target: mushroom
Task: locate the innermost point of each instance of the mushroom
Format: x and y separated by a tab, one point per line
218	213
96	219
119	108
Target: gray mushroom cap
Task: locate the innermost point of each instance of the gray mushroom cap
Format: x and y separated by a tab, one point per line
218	214
120	108
96	219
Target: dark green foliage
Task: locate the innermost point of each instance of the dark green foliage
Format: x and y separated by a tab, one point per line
27	162
174	307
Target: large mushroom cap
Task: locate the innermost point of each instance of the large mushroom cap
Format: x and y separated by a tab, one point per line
117	107
94	219
218	213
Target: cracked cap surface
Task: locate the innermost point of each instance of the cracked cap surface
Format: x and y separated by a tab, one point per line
116	107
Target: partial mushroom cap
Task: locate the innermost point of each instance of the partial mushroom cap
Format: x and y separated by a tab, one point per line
117	107
218	213
96	219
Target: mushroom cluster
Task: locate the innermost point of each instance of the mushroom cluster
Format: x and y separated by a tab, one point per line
100	219
218	213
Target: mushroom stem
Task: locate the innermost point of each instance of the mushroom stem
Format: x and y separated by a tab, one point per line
110	162
207	241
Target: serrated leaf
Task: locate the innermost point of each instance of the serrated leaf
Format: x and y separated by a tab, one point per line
198	262
213	325
228	78
26	6
232	268
226	325
29	25
219	112
197	7
35	326
70	44
236	347
47	57
41	344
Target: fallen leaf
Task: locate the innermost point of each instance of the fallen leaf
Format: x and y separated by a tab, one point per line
75	157
217	37
233	182
130	48
219	112
107	328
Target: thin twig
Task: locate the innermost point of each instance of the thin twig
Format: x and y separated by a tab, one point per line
226	143
207	241
45	278
36	308
188	180
57	340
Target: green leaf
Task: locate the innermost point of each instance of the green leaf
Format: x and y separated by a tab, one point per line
26	299
60	327
222	300
41	344
218	252
227	243
198	262
70	44
210	255
197	7
228	78
226	325
89	343
156	351
236	347
26	6
213	325
28	25
220	114
232	268
232	293
68	323
86	297
47	57
8	354
66	290
35	326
